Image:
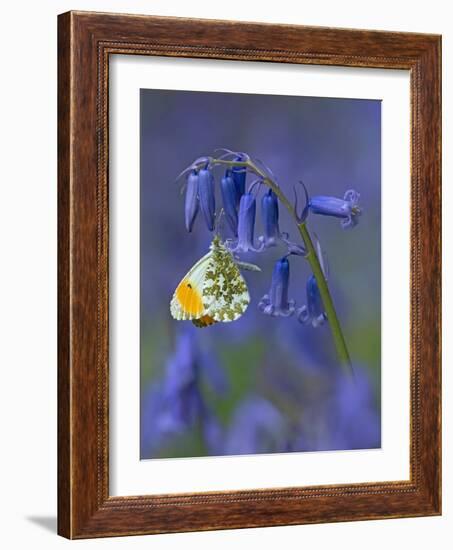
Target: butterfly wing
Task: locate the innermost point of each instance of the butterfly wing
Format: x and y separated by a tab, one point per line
212	291
225	294
187	302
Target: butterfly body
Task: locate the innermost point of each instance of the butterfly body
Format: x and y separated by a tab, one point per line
212	291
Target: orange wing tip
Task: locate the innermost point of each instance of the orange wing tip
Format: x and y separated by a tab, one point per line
189	299
204	321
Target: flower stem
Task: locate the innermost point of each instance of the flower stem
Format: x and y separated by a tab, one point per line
332	317
311	257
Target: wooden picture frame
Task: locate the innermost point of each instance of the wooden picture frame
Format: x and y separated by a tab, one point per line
85	42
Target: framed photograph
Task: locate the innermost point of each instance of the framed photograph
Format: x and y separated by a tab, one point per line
249	275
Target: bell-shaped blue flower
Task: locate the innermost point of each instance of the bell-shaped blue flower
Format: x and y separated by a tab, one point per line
347	208
313	312
276	303
228	190
239	174
191	202
206	192
269	214
246	226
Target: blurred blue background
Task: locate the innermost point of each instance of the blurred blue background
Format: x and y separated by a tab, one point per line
260	384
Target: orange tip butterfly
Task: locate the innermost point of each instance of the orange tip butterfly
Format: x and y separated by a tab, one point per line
213	291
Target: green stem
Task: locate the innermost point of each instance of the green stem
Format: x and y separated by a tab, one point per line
312	259
332	317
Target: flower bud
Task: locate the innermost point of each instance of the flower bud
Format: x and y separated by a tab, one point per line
313	312
246	225
206	192
276	303
191	201
239	175
229	201
269	212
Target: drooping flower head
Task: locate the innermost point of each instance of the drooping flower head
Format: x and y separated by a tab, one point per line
246	226
313	312
191	205
276	303
269	213
206	192
239	175
228	189
347	209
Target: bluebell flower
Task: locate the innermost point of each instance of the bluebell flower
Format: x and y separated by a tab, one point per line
239	174
276	303
228	189
272	234
313	312
206	192
269	214
246	226
347	208
257	427
191	202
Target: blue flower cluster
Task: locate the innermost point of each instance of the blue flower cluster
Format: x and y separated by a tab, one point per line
181	405
239	207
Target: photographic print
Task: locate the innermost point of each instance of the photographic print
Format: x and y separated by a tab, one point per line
260	274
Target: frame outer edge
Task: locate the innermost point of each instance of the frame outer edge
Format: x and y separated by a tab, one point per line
438	170
433	139
64	527
82	512
427	274
80	401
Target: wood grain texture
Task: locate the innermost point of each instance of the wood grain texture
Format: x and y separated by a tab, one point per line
86	40
64	368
